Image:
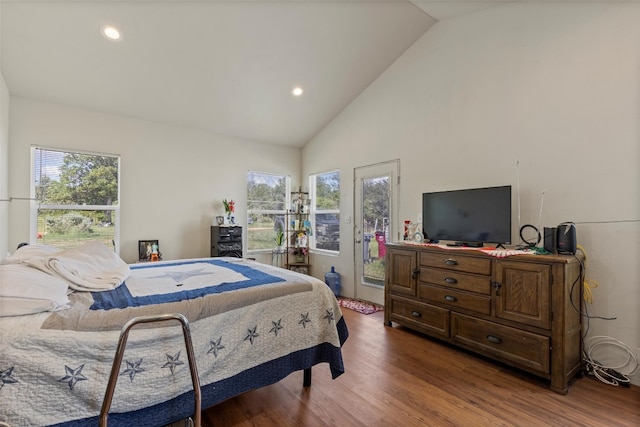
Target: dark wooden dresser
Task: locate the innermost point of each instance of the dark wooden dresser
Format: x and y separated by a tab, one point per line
521	310
226	240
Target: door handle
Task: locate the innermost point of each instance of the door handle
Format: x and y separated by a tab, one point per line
497	286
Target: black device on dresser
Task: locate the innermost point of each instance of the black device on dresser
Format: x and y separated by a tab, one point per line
226	241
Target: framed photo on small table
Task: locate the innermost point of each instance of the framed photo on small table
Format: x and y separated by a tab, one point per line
149	250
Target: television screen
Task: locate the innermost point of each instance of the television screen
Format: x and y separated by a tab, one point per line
470	216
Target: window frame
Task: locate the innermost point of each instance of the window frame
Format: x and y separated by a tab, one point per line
313	211
282	212
36	204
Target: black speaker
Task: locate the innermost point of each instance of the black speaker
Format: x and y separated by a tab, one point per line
550	239
566	238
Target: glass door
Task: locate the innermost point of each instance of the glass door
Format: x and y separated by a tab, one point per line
375	198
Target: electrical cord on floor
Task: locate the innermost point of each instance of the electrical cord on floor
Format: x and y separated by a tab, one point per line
610	374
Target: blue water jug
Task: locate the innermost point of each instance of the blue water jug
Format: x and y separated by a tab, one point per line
332	279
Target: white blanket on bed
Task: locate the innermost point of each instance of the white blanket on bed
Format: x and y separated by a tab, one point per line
90	267
180	277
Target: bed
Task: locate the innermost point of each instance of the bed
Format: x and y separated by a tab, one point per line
251	325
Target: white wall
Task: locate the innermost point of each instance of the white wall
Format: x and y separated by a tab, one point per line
173	179
4	160
4	167
554	87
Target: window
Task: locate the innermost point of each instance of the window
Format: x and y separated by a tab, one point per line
75	198
325	210
267	199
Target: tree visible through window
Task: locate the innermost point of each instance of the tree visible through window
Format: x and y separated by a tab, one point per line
325	210
76	198
268	196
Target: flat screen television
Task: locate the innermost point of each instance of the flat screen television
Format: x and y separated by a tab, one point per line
468	217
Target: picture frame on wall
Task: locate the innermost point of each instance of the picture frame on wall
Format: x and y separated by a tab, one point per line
149	250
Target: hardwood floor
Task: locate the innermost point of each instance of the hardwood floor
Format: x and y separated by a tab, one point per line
396	377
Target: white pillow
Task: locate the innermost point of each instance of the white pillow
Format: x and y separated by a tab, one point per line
28	252
26	290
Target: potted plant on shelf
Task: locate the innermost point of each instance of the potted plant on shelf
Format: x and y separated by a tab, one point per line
279	241
299	252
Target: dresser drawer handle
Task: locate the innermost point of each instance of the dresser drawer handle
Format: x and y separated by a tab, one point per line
450	261
416	314
450	280
450	298
494	339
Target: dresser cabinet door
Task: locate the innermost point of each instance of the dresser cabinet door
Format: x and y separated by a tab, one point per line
403	274
523	292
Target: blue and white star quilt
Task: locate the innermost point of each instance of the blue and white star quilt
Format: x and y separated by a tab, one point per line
251	325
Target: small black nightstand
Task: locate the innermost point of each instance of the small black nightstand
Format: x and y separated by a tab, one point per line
226	241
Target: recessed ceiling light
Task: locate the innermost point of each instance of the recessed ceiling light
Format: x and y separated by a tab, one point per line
297	91
111	32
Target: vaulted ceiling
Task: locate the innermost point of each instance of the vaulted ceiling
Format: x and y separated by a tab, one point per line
227	67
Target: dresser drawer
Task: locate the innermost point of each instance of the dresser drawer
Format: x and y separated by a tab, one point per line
508	344
230	233
428	318
232	246
451	261
456	280
234	254
455	299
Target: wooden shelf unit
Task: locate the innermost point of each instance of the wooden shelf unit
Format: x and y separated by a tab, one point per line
297	237
297	232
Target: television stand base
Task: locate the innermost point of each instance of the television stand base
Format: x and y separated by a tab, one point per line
473	244
466	244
